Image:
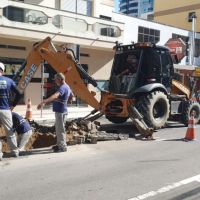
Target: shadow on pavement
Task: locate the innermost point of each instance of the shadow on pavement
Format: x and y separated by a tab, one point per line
123	128
175	140
174	125
40	151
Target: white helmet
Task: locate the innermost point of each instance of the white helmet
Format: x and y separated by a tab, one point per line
2	66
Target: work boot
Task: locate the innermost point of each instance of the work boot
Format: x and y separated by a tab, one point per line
15	153
24	153
58	149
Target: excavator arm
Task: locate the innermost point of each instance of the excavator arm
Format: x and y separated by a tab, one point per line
61	62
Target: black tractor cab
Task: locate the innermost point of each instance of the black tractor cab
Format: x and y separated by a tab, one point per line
140	64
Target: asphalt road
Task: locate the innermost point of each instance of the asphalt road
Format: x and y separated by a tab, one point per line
166	168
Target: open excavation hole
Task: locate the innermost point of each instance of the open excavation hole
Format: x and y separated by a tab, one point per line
77	132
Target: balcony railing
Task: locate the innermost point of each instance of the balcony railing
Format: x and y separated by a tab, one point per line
67	22
70	23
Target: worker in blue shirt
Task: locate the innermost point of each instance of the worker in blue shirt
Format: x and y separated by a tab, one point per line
60	99
8	86
23	129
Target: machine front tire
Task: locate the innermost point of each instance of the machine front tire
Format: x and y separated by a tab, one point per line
155	109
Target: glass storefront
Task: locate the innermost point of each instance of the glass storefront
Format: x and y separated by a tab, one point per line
12	65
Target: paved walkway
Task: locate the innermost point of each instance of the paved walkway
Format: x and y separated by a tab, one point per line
47	113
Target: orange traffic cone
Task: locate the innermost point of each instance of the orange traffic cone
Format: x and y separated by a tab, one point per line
29	111
190	134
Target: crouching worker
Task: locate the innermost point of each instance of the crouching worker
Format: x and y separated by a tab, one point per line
23	129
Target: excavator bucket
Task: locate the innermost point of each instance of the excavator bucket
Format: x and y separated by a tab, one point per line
140	124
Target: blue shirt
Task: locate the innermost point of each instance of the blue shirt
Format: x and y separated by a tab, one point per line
20	125
6	86
60	104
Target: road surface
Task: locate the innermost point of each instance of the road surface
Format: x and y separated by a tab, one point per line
166	168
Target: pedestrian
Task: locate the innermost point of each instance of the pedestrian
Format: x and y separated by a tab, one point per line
60	99
7	86
23	129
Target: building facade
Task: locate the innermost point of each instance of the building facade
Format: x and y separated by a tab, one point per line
177	13
76	22
136	8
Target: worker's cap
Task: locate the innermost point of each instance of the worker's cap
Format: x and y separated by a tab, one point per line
2	66
60	76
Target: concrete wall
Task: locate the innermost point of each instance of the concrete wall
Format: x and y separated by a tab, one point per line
47	3
14	53
33	92
99	62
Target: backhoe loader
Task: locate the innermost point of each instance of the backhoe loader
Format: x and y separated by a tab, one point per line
148	95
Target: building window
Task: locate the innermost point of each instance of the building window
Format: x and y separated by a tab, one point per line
108	32
133	5
148	35
78	6
123	1
11	65
4	46
14	13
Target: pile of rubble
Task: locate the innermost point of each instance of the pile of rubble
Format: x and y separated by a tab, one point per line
78	131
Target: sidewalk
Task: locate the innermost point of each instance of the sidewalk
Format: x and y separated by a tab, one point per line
48	115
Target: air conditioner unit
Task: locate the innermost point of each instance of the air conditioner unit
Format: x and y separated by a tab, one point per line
108	32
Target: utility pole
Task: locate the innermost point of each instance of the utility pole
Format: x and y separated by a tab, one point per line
42	87
193	36
192	18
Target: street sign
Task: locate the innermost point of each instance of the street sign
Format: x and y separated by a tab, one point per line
177	48
197	71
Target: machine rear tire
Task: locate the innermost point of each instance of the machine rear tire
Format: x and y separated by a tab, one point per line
155	108
116	120
188	107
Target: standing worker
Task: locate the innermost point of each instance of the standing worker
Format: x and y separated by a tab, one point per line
23	129
7	86
60	99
